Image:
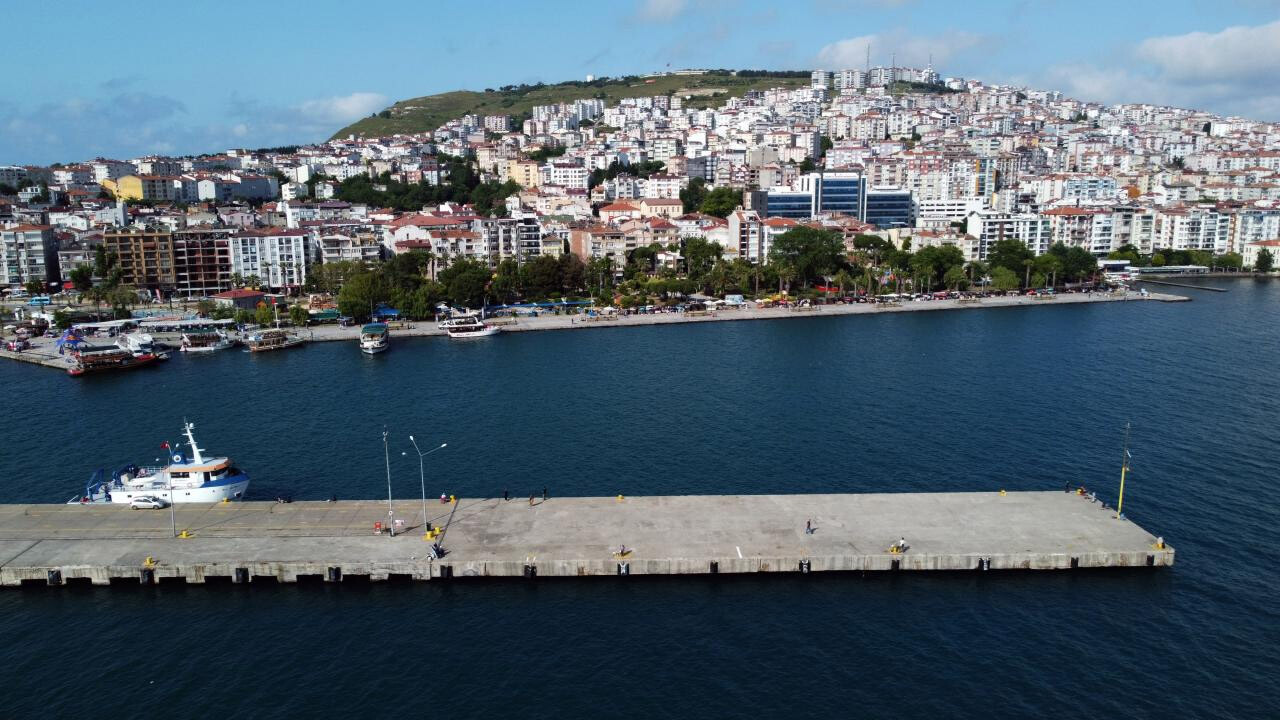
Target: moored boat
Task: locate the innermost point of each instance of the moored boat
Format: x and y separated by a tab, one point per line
267	340
87	362
183	480
467	327
374	338
201	342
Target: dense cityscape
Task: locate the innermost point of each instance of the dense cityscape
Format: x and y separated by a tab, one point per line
975	183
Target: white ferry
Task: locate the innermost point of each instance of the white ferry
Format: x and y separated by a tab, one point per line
184	480
374	338
467	327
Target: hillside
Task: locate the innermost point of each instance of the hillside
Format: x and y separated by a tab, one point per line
424	114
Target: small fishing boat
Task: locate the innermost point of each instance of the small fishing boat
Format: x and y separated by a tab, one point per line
268	340
374	338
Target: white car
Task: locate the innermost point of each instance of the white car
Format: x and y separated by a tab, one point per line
148	502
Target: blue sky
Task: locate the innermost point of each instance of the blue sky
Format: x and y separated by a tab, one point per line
121	79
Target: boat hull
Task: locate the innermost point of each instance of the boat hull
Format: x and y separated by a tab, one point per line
373	349
129	363
470	334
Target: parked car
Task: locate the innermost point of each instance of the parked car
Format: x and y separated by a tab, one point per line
148	502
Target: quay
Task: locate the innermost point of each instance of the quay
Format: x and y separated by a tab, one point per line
44	352
251	542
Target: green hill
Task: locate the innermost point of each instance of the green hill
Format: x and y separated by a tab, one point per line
425	114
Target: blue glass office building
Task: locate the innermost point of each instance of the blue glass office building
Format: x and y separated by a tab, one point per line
889	208
840	193
790	204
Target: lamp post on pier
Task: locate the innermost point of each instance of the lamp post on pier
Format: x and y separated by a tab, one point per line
422	478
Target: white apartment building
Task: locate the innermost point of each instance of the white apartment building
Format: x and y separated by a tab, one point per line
28	253
276	255
1186	228
989	227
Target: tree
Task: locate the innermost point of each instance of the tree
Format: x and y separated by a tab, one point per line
1264	262
808	252
572	272
693	194
700	255
1002	278
955	278
35	287
1010	254
103	261
361	293
541	277
61	319
721	201
1157	259
1229	260
466	282
206	307
264	314
298	315
82	277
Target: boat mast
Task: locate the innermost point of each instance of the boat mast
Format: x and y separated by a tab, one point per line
1124	469
196	456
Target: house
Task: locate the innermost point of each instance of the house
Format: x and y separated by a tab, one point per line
240	299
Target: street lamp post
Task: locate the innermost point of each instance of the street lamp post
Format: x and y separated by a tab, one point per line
422	475
391	513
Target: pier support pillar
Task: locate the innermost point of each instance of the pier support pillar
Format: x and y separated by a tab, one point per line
240	576
55	577
333	574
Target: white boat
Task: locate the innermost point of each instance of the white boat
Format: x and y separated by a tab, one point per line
374	338
137	343
467	327
268	340
185	479
201	342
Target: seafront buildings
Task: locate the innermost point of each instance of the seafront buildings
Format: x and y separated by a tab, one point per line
898	152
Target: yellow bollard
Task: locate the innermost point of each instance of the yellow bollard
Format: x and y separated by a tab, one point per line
1002	492
149	562
453	499
184	535
620	498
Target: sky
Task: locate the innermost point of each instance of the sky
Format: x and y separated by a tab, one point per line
119	80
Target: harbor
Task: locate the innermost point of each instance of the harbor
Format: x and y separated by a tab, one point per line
569	537
43	351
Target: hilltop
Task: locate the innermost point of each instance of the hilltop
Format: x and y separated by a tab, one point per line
425	114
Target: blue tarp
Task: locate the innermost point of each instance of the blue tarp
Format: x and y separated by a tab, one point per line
382	311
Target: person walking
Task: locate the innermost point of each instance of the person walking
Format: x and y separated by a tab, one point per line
808	527
530	499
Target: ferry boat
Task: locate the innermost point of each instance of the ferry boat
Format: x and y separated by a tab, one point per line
201	342
183	480
470	326
374	338
86	362
273	340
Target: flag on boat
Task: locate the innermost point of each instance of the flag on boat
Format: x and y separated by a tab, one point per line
164	445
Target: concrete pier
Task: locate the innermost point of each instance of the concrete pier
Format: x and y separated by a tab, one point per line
559	537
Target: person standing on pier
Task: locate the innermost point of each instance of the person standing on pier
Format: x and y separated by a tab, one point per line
544	493
505	494
808	527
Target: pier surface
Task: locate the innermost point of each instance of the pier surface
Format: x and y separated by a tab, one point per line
663	535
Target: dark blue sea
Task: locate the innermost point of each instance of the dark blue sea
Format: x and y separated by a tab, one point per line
1011	398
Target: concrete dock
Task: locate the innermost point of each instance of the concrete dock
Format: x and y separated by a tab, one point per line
562	537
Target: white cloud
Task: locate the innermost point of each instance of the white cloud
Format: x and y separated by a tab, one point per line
343	108
897	46
1231	71
660	10
1234	53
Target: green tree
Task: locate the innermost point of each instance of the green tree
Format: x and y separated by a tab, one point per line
264	314
721	201
1009	254
206	307
1158	260
361	293
466	282
61	319
700	256
572	273
35	287
421	305
298	315
1229	260
693	194
1002	278
1264	262
541	277
955	278
82	277
809	252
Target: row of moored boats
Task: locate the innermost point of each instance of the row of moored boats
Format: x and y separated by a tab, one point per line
138	349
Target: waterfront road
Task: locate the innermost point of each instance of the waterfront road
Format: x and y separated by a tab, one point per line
578	536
